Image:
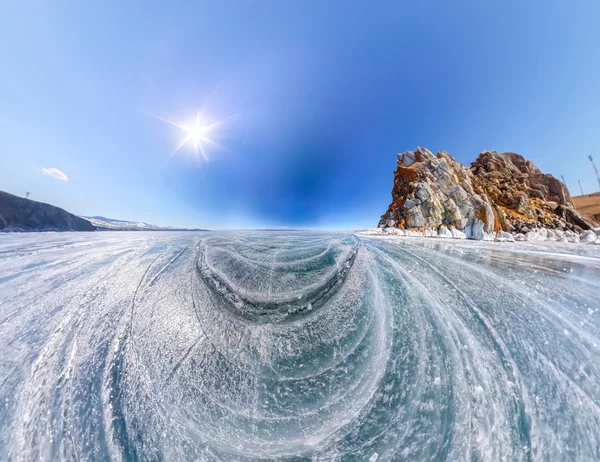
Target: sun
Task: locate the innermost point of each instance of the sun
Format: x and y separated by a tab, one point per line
197	134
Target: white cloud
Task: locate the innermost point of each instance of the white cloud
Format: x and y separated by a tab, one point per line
56	173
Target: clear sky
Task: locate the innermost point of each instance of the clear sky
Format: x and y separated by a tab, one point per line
323	96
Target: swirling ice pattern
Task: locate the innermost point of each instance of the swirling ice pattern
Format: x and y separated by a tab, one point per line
275	345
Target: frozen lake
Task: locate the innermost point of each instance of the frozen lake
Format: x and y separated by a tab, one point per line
305	345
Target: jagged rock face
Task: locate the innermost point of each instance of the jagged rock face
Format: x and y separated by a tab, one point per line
525	197
430	191
500	192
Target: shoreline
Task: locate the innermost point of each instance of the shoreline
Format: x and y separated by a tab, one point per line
589	237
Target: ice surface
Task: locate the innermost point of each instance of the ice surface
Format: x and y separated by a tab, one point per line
268	345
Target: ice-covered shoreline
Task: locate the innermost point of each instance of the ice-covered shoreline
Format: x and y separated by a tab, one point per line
536	235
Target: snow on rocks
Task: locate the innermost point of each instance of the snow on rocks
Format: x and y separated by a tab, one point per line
588	236
476	232
444	232
372	232
537	235
504	236
571	236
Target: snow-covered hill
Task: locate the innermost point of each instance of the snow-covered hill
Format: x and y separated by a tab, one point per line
110	224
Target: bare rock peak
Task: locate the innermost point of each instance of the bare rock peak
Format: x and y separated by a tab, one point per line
498	193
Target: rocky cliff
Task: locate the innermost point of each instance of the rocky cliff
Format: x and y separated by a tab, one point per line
499	193
20	214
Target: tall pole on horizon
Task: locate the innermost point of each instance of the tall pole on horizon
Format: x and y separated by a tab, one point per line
595	170
564	182
579	181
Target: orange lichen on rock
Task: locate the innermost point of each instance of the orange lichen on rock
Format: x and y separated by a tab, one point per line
408	174
498	220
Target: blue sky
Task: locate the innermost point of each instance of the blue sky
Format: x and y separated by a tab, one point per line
323	94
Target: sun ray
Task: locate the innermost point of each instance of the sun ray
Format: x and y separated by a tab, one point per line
203	152
219	123
167	121
178	148
211	142
198	117
206	101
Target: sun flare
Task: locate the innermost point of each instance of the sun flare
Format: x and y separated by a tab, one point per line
197	134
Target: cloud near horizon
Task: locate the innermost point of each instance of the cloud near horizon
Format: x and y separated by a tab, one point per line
56	173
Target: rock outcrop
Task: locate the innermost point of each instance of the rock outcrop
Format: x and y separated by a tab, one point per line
525	197
500	193
20	214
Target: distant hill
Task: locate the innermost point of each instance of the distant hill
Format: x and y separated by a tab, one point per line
589	205
110	224
20	214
